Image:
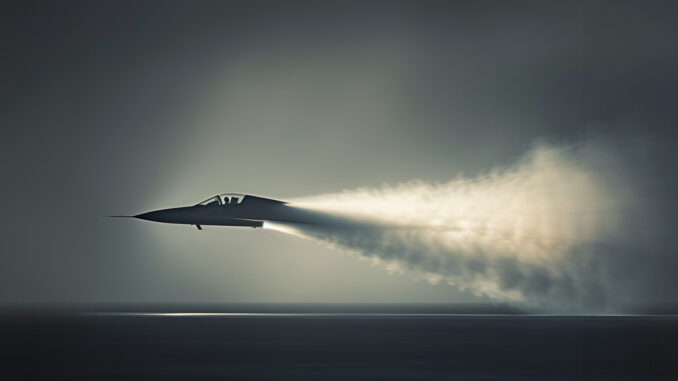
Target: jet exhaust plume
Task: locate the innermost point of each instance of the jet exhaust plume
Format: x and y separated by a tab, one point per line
572	227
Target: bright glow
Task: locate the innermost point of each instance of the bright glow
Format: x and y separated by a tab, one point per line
281	227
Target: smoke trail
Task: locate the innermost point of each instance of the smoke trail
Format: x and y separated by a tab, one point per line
565	227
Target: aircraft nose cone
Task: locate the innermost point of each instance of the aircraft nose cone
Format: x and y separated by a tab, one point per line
171	216
156	215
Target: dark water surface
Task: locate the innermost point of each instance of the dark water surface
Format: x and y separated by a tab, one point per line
332	343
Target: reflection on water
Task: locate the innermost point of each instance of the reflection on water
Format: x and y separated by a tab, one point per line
335	342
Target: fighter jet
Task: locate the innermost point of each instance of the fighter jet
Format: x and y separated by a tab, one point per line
231	209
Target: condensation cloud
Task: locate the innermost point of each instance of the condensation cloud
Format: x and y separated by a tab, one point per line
568	226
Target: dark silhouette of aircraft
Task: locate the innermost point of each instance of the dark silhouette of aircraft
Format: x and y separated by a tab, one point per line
232	209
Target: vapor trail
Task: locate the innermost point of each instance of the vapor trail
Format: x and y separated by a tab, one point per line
567	226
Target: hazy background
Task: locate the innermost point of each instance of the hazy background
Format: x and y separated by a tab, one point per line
124	107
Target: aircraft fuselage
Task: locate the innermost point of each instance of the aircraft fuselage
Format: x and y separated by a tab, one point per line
232	210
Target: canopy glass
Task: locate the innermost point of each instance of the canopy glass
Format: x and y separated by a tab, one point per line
224	199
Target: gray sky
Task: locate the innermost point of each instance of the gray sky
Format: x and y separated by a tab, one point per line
124	107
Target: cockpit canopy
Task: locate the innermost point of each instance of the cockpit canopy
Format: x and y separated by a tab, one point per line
224	199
